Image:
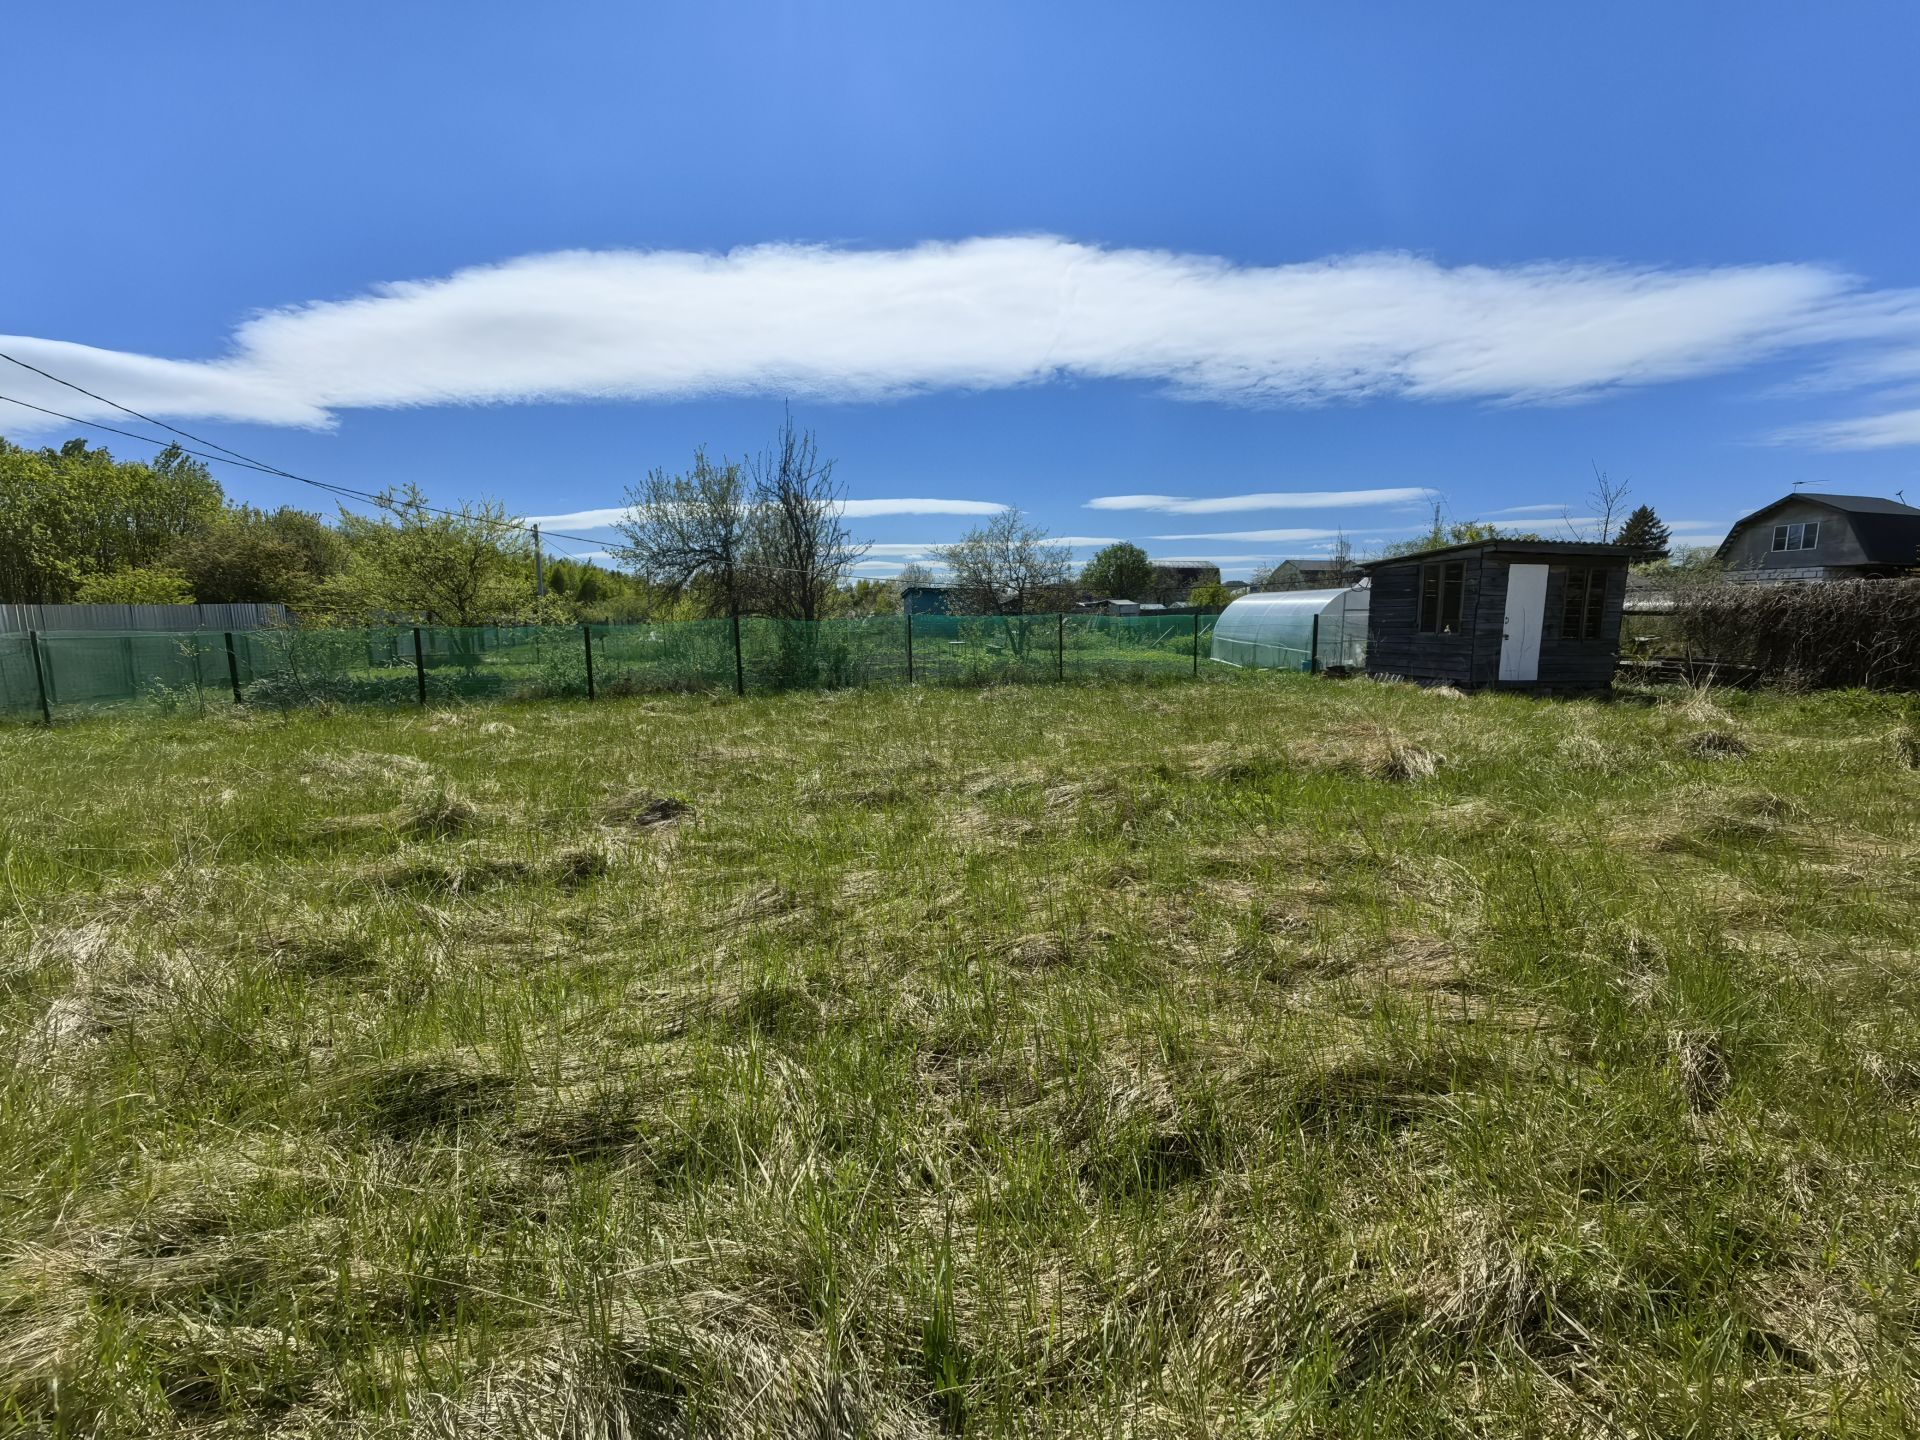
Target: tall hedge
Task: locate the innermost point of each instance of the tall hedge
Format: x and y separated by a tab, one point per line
1808	637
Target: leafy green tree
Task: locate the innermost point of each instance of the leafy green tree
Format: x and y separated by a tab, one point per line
1120	571
141	585
251	556
866	597
1211	596
1645	534
471	566
73	512
1464	532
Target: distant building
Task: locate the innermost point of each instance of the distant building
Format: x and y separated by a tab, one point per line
1823	537
925	600
1318	573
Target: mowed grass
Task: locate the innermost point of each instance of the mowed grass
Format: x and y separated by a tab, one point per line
1254	1056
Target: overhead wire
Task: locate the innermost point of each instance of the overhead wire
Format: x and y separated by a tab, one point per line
235	457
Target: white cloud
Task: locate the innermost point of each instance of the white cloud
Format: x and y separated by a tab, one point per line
1255	535
1270	500
606	519
815	321
1554	510
868	509
1866	432
582	519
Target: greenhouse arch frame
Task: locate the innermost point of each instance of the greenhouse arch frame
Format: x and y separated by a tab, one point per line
1294	630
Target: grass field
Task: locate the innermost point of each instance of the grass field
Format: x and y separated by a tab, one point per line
1263	1055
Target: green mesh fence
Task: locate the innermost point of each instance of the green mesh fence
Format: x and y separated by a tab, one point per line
19	690
685	655
288	669
103	670
399	665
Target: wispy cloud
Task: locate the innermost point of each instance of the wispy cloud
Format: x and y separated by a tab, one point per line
1554	510
1865	432
1254	536
582	519
606	519
1266	500
868	509
841	324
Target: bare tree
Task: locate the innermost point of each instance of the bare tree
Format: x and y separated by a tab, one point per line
1340	557
799	549
911	575
1608	501
691	532
1007	568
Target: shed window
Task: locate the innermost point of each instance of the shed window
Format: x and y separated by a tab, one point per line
1440	585
1797	537
1586	604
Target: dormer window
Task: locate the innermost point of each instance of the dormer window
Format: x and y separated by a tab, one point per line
1796	537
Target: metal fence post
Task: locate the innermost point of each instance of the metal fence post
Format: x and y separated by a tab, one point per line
909	647
233	669
1313	649
1060	649
586	632
1196	644
739	665
419	666
40	676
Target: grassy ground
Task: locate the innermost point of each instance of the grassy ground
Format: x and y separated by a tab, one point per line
1262	1055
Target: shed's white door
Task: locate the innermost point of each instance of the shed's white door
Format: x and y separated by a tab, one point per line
1526	612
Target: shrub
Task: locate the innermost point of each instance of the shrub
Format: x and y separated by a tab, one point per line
151	585
1851	632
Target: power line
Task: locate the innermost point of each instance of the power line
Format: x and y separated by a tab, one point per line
184	449
128	409
235	457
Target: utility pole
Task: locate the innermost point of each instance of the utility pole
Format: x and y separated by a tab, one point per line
539	568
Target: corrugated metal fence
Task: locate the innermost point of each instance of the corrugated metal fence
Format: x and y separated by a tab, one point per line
19	619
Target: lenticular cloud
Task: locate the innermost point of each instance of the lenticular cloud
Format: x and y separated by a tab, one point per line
979	314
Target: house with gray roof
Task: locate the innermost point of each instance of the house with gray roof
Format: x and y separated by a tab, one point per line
1811	537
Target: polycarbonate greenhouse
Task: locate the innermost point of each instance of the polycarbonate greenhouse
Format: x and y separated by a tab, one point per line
1294	630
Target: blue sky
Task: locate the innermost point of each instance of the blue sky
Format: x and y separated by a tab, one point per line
1040	255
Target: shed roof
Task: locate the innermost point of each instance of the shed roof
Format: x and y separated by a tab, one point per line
1888	532
1590	548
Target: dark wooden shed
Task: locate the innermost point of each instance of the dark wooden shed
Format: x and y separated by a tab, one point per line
1511	614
